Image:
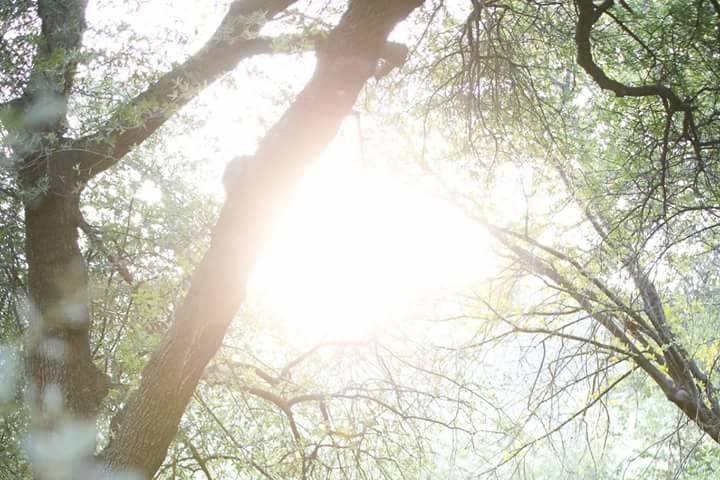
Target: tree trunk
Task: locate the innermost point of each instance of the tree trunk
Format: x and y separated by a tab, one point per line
148	423
59	348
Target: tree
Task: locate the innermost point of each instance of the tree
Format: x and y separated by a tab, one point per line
632	172
616	241
54	168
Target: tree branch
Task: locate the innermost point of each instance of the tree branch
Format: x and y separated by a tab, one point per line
115	261
45	97
346	61
588	14
677	384
197	456
234	40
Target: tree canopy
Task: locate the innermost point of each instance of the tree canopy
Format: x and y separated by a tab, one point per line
543	305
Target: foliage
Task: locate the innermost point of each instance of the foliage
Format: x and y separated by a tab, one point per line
583	137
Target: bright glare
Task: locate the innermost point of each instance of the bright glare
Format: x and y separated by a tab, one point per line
360	249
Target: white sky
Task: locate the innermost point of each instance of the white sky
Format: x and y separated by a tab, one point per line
364	243
361	247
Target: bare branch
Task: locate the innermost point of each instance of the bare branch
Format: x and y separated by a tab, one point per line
600	395
305	355
116	262
197	457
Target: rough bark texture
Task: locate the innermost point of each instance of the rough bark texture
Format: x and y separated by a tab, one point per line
58	347
53	171
149	421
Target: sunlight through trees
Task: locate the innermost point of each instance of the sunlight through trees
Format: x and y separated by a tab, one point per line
359	239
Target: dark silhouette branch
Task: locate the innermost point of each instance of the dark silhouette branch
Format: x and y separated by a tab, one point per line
588	15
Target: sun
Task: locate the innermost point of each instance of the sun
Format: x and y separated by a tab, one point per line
360	249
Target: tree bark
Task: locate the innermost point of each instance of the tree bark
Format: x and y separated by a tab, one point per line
149	421
53	173
59	348
59	359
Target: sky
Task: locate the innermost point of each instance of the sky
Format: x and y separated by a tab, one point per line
365	243
363	246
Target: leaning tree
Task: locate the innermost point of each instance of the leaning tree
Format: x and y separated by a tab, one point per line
54	167
613	107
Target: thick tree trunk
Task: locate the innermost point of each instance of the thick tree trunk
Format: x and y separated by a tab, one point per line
148	423
59	347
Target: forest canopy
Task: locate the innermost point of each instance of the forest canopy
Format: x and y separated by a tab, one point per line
359	239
